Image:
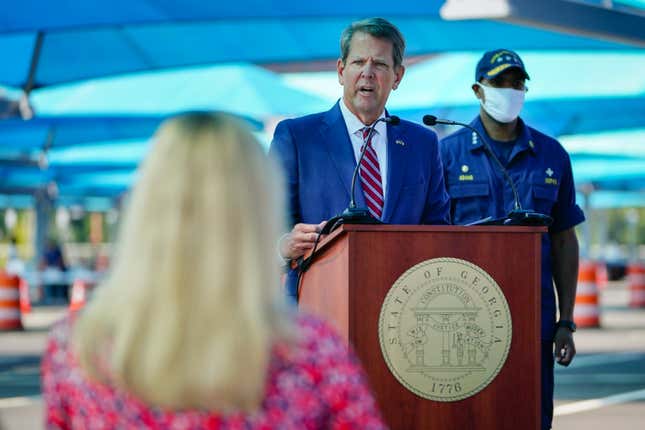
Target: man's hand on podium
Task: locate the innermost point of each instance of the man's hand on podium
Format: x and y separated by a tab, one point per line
300	240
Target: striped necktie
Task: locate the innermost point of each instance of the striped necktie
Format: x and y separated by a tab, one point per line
370	173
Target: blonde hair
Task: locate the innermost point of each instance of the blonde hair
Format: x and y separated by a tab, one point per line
193	303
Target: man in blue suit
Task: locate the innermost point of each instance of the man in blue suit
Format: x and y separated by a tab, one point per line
402	180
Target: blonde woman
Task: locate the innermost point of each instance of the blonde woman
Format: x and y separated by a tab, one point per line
191	329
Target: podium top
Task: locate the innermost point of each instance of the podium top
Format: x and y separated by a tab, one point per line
412	228
441	228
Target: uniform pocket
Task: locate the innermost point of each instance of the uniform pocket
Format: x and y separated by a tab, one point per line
458	191
469	202
544	197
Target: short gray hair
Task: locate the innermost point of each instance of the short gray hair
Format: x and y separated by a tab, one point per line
376	27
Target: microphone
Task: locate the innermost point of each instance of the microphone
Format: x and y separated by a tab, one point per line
354	215
517	216
394	120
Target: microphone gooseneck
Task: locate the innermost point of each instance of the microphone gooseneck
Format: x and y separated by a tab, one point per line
517	216
393	120
354	215
351	215
433	120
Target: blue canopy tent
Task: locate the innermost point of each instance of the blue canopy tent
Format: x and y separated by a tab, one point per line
67	151
613	161
614	199
53	42
27	139
558	103
23	137
99	169
569	92
132	107
72	180
17	201
243	89
593	101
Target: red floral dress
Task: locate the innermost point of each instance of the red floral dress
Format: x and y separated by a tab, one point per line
316	384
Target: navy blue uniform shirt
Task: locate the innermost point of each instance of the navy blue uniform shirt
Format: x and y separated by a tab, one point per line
541	170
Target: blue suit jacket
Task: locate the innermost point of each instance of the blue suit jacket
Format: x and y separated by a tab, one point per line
318	160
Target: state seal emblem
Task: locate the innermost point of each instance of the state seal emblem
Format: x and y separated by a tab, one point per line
445	329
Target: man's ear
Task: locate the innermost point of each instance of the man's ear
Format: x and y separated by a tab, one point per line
479	93
340	68
399	76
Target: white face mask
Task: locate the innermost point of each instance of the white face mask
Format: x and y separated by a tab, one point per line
503	104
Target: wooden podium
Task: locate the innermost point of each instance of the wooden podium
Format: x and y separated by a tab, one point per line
355	267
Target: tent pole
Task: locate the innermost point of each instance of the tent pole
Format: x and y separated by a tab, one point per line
43	208
25	107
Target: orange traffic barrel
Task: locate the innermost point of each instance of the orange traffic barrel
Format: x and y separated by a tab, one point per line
79	295
636	283
25	301
9	302
602	275
586	312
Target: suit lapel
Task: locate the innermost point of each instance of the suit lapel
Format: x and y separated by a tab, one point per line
396	162
334	136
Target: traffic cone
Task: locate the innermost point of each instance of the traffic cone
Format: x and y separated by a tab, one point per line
25	302
9	302
78	296
636	283
586	312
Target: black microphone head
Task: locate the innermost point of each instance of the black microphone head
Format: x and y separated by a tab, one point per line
393	119
429	120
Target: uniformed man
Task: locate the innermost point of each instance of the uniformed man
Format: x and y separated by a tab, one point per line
541	171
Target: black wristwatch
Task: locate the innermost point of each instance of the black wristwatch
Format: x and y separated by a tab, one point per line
567	324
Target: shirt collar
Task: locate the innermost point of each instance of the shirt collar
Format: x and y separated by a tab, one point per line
354	125
524	140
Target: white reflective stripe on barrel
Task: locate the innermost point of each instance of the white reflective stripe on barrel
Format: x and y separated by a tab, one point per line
587	289
6	314
586	311
9	294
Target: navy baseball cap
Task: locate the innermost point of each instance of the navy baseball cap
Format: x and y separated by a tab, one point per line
497	61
